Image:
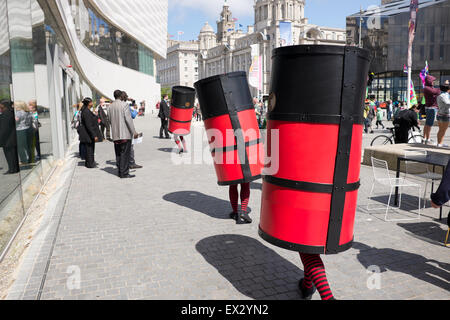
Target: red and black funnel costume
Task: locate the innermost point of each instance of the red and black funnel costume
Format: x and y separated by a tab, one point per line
316	104
227	106
181	113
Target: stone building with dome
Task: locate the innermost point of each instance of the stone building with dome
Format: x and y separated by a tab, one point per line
229	49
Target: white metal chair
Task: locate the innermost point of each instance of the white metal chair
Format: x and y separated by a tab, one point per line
382	177
421	170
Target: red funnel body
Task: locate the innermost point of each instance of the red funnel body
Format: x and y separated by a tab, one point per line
309	204
182	110
232	128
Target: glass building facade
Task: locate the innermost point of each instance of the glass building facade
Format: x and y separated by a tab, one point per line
41	83
384	31
107	41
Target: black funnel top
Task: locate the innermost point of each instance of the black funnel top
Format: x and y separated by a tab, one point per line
224	94
183	97
311	80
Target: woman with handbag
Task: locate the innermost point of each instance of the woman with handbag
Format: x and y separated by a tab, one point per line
89	132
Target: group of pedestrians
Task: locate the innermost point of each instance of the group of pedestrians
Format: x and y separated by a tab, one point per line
117	120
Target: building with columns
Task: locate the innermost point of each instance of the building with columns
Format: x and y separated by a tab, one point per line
180	68
229	49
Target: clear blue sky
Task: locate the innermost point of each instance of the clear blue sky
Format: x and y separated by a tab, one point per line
190	15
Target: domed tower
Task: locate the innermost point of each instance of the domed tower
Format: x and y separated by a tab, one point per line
207	37
226	24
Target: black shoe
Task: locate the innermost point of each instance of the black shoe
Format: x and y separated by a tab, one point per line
306	293
233	215
128	176
167	138
243	218
136	166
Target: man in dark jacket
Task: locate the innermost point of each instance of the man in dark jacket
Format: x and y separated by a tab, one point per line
431	106
105	125
89	132
405	121
164	114
8	138
442	195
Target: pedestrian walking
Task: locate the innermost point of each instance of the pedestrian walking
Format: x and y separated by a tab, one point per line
390	110
122	133
164	113
379	118
443	115
431	107
89	132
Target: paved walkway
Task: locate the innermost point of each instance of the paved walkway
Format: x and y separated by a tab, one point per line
166	235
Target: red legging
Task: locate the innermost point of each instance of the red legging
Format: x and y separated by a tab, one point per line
245	196
314	271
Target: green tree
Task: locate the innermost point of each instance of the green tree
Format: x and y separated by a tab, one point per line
167	91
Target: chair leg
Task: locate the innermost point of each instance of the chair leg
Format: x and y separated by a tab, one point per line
425	195
388	203
399	197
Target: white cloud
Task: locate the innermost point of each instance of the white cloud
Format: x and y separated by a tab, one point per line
212	8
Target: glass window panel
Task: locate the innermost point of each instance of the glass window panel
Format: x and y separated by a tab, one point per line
11	209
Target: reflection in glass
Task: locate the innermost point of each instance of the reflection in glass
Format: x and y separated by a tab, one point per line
108	42
24	96
11	210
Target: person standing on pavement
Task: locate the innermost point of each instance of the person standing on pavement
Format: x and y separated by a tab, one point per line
390	110
443	115
164	114
380	118
102	112
442	196
134	113
89	132
431	107
122	131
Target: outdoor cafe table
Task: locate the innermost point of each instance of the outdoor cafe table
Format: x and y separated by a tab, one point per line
434	159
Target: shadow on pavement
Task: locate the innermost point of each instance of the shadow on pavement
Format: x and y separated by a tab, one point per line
427	231
417	266
168	150
211	206
111	170
252	268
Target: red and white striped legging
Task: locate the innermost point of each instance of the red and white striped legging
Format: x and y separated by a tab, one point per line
245	196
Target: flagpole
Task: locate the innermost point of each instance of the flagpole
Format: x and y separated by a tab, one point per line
409	87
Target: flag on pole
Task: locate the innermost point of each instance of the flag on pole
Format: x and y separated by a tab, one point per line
235	19
255	72
424	73
412	95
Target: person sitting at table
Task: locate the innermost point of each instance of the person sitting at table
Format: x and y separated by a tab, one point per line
442	196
